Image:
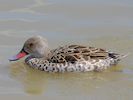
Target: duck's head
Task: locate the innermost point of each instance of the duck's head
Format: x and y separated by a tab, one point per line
36	46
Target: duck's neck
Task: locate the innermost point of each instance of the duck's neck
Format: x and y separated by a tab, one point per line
47	54
42	52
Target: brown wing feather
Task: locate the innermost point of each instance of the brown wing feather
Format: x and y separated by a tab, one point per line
73	53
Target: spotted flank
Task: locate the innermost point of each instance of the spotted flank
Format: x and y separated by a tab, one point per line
82	66
69	58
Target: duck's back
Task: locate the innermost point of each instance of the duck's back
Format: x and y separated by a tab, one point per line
73	53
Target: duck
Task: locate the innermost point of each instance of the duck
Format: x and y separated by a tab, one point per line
68	58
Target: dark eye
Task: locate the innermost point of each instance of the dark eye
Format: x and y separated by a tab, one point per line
31	45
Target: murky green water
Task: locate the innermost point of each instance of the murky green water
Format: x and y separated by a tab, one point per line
100	23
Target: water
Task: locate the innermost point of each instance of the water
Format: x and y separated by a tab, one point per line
100	23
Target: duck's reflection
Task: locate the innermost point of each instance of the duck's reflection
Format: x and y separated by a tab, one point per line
36	82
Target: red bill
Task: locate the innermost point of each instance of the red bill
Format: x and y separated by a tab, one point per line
18	56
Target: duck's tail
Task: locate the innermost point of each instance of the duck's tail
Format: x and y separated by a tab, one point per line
117	57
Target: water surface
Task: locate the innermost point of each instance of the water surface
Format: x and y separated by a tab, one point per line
100	23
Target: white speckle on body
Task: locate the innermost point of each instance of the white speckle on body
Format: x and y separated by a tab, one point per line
80	66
